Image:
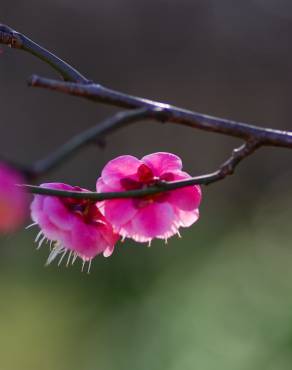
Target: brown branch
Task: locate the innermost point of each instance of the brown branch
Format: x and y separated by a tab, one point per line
119	120
226	169
78	85
17	40
81	86
98	93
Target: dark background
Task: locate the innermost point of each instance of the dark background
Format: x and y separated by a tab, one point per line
220	298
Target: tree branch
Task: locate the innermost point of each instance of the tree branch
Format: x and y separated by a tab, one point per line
107	126
14	39
227	168
98	93
78	85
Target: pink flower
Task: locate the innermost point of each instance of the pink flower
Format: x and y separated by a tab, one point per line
154	216
72	225
13	200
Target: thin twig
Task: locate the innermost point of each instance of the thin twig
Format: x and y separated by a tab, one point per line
17	40
111	124
162	186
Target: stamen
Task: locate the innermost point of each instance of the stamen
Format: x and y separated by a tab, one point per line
83	264
31	225
56	250
63	255
178	234
40	233
149	243
68	260
89	266
41	242
75	255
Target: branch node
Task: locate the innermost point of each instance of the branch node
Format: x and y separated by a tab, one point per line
10	37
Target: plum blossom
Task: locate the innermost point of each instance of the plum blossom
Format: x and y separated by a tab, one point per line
75	227
13	200
153	216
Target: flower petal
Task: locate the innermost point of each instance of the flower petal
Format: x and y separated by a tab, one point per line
119	168
87	241
187	198
36	207
128	231
153	220
58	213
48	228
108	251
162	162
187	218
119	211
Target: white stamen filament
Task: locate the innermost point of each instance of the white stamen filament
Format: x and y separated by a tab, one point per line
63	255
41	242
89	266
55	251
68	260
75	255
40	233
31	225
56	248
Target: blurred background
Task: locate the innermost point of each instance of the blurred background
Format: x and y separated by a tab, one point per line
219	298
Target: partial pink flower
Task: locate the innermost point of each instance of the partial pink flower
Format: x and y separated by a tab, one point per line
13	200
154	216
75	227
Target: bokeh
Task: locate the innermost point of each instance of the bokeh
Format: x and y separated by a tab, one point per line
220	297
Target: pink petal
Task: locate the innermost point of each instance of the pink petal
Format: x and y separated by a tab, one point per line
108	251
58	213
36	207
162	162
153	220
119	168
128	231
107	233
187	198
119	211
187	218
102	187
86	240
48	228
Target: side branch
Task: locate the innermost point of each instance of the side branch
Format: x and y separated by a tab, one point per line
98	93
17	40
86	137
162	186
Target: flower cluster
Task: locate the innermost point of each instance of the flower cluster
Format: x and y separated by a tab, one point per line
84	229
